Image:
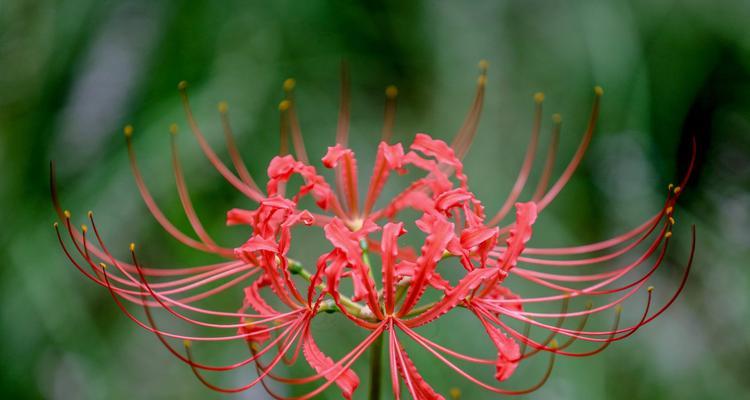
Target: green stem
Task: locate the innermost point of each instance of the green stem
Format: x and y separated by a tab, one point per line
297	269
376	367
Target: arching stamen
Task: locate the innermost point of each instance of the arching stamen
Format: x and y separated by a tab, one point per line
342	129
85	229
568	342
104	254
551	336
151	204
417	338
158	297
183	303
293	122
193	365
283	127
101	253
151	327
389	118
549	163
239	164
528	162
248	191
619	273
187	204
465	135
578	156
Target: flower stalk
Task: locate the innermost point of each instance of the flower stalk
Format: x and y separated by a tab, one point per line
376	368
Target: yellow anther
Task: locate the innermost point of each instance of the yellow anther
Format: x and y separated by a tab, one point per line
186	343
90	214
128	130
84	228
391	91
173	129
284	105
677	189
482	80
103	265
598	90
670	187
182	85
553	344
132	246
223	107
669	210
650	289
67	214
538	97
672	221
668	235
54	225
483	65
618	308
556	118
289	84
455	393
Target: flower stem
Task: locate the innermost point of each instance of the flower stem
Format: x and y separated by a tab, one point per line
376	367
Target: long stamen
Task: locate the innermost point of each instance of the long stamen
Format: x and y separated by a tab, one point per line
549	163
389	118
162	334
570	341
293	122
151	204
187	204
419	339
342	129
239	164
528	162
578	156
465	135
248	191
283	127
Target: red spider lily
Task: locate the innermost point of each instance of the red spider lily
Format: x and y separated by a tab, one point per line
453	223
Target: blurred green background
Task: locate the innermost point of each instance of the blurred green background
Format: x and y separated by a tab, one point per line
72	73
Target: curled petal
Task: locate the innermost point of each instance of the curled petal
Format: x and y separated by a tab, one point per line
387	159
520	234
440	233
441	152
419	387
347	381
508	351
389	252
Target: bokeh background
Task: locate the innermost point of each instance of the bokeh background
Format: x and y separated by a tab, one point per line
72	73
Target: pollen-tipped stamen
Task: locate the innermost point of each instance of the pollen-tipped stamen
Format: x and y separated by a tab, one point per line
389	117
234	154
549	163
248	191
342	128
187	204
465	135
528	162
151	204
578	156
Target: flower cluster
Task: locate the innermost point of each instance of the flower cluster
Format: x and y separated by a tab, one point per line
388	280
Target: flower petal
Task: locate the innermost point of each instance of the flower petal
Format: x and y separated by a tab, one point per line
347	380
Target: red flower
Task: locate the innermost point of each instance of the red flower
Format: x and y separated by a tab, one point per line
453	224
